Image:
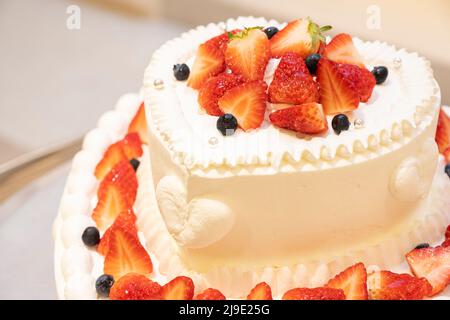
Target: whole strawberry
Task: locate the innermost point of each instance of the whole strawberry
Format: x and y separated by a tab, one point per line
292	83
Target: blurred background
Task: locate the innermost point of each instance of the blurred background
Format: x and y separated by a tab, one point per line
58	75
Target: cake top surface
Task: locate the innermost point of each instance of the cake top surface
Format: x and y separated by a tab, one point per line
397	110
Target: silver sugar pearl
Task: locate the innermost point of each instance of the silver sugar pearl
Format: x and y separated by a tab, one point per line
213	141
228	71
358	123
158	83
397	62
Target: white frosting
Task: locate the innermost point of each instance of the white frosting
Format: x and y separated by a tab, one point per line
196	224
95	142
80	286
412	178
407	98
75	205
114	124
78	183
72	228
127	106
76	260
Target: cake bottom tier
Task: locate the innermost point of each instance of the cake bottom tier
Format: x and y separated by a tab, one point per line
387	251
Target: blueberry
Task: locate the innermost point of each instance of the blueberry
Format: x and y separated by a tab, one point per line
311	62
422	246
340	123
271	31
135	163
103	285
91	236
227	124
380	74
181	71
447	170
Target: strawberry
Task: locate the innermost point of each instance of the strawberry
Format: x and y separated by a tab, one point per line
432	264
292	83
248	53
362	79
447	233
247	102
127	148
386	285
337	94
314	294
210	294
139	124
116	194
443	131
180	288
353	281
126	255
133	286
132	145
342	50
113	155
261	291
126	221
214	89
210	61
221	41
302	36
305	118
447	155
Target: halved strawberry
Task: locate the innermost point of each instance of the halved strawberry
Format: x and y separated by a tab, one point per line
113	155
261	291
132	145
139	124
180	288
221	41
353	281
116	194
386	285
247	102
314	294
128	148
337	94
292	83
300	36
342	50
126	255
447	155
210	294
362	79
126	221
214	89
135	286
248	53
210	61
432	264
306	118
443	131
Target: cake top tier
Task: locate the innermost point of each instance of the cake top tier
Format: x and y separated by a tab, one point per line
388	116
